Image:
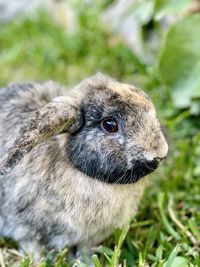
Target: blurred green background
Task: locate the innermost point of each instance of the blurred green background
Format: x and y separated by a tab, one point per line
38	46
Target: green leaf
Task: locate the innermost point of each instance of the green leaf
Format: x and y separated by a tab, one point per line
141	10
61	260
96	261
195	107
116	255
164	219
104	250
26	262
179	63
172	256
176	262
164	7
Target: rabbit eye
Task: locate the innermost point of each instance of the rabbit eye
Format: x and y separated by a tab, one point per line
109	125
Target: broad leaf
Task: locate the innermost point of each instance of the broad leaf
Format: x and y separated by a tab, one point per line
165	7
180	62
177	262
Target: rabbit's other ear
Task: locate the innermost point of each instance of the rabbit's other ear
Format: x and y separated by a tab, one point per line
61	115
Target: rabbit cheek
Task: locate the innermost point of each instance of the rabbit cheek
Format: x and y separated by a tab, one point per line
105	159
102	159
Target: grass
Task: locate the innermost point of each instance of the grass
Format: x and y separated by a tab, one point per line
166	230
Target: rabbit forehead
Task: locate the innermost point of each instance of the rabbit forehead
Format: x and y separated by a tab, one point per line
103	91
132	95
102	88
123	98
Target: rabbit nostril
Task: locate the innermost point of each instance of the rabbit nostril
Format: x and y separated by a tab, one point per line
159	159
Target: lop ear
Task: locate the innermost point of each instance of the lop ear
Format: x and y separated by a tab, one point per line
61	115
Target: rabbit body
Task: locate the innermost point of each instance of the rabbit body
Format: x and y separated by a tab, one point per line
49	200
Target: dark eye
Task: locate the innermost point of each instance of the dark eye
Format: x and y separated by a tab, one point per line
109	125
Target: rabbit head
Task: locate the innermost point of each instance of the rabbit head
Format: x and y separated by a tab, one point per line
113	132
120	139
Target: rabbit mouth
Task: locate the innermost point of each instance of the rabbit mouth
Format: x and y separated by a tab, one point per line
120	175
139	170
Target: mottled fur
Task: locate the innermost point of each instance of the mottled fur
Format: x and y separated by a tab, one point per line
72	182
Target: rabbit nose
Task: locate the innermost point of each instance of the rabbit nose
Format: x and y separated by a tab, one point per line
156	156
163	151
159	159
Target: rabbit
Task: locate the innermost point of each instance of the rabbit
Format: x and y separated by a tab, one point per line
71	161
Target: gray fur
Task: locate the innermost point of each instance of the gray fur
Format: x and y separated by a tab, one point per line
51	139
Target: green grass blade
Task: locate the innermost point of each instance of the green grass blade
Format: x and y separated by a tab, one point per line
164	219
96	261
116	255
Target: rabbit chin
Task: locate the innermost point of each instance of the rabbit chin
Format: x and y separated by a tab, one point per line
120	174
